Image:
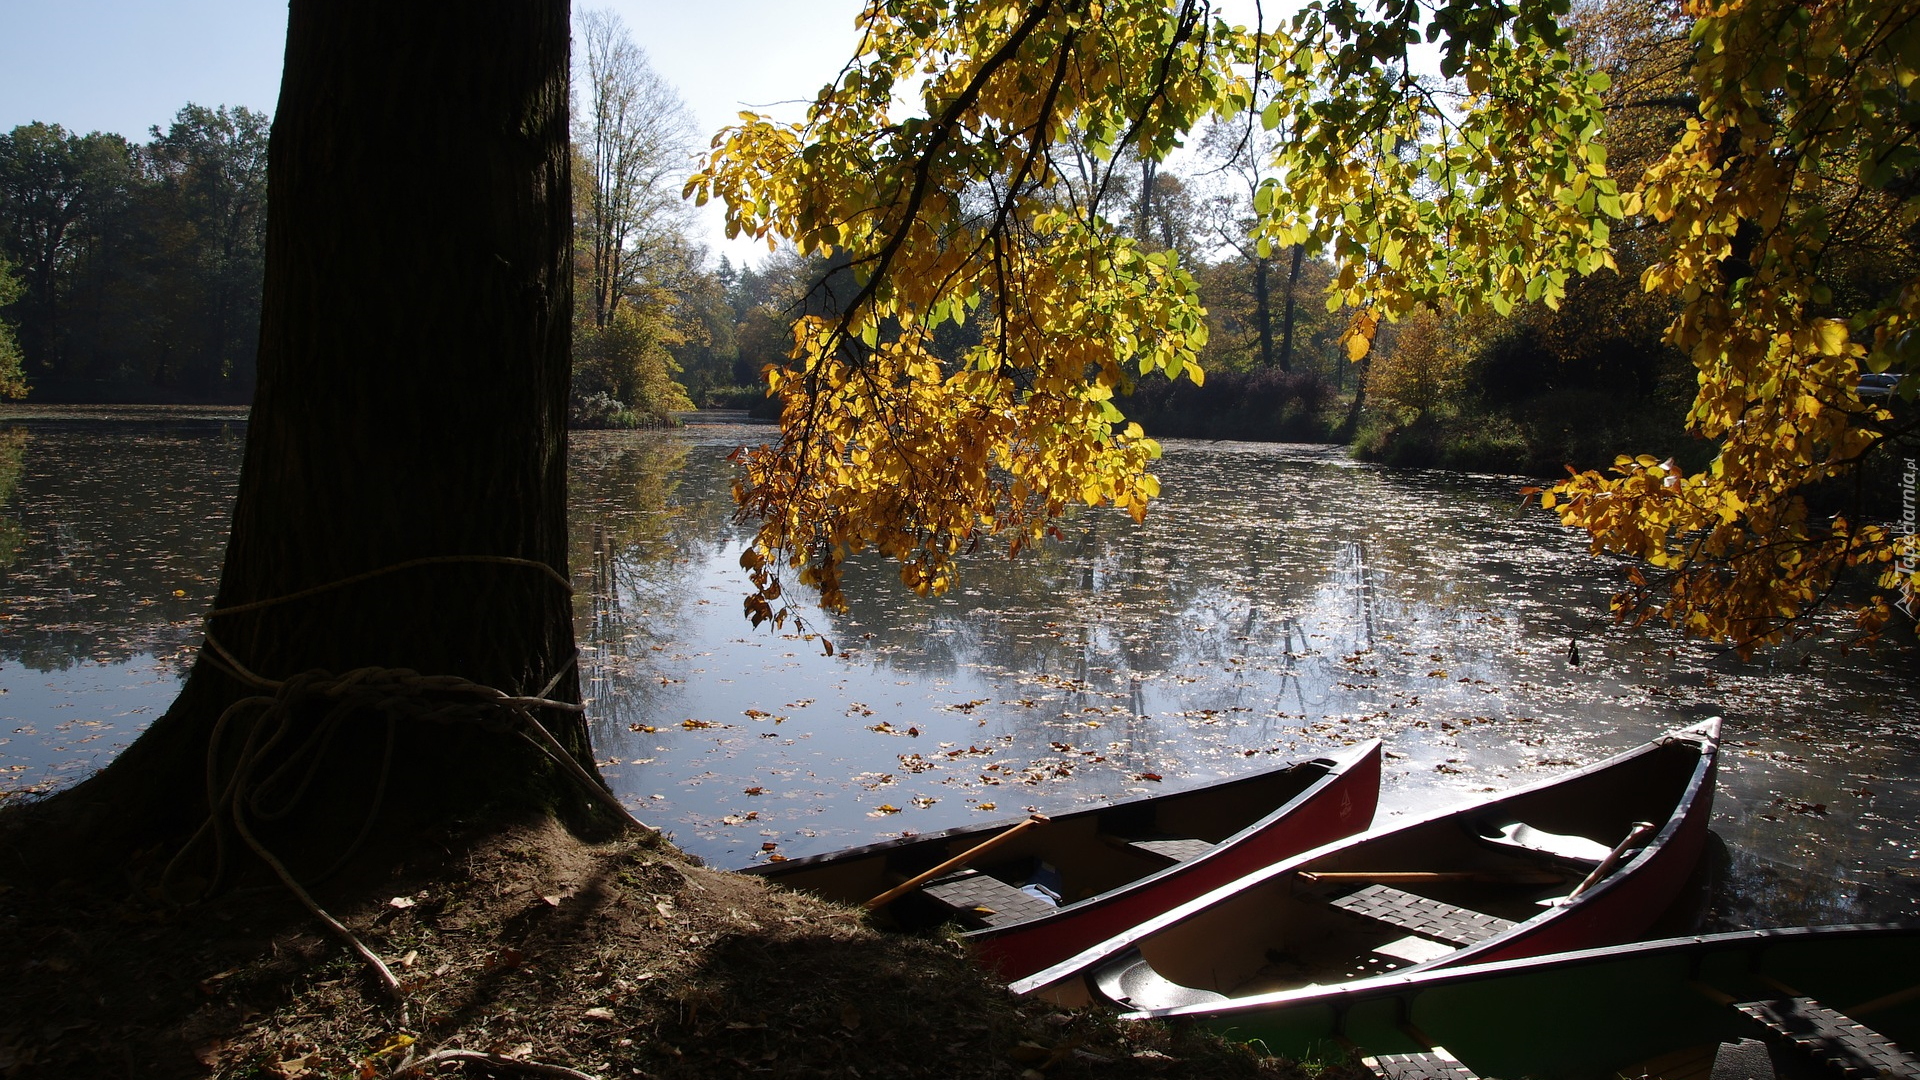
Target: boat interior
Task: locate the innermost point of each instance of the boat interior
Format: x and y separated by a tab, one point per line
1409	896
1060	861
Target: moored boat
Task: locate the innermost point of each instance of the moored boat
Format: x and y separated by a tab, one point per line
1031	893
1663	1010
1588	858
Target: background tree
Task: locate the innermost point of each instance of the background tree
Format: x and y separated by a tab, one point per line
634	260
1241	148
202	214
636	140
13	378
59	194
1423	369
146	260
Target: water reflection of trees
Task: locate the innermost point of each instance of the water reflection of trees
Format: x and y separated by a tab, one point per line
642	507
13	447
1248	561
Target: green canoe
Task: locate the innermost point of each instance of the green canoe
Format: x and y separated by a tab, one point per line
1658	1009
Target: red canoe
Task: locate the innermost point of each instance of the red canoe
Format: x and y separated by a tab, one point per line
1106	868
1588	858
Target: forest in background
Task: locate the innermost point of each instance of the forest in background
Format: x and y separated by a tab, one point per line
130	272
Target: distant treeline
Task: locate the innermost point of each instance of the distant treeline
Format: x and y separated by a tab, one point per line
136	266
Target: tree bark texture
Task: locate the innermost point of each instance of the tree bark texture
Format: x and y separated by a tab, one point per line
412	386
1293	287
1263	311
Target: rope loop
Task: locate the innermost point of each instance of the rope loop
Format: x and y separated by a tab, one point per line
285	710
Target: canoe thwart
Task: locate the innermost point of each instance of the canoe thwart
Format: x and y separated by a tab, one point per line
1177	850
1424	916
1832	1038
1435	1065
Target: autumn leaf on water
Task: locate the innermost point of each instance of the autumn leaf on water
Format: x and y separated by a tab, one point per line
1154	776
755	790
884	809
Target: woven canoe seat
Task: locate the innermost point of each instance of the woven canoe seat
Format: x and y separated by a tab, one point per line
985	899
1173	850
1436	919
1834	1039
1438	1065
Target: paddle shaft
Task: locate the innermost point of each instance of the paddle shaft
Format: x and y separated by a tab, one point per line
1641	831
954	863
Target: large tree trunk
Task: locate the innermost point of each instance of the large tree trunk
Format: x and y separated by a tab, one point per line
410	405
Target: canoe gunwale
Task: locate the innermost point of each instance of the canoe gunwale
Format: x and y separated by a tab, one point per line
1342	768
1410	979
1690	812
1333	765
1634	1009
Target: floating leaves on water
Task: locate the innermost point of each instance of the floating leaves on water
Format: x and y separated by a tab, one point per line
884	809
924	801
755	791
1154	776
696	725
647	729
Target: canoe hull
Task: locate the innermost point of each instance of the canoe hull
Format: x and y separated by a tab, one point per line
1340	804
1250	821
1635	1009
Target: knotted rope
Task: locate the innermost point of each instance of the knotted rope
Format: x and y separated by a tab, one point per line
397	696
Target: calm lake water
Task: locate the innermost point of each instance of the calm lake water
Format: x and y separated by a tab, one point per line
1279	602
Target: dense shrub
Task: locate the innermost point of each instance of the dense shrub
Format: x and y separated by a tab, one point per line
1269	405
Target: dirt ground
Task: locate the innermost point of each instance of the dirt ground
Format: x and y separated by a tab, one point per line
616	959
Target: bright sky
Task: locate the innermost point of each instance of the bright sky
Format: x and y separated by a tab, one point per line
128	65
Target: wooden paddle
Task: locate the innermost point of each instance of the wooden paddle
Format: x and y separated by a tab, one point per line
954	863
1641	831
1418	877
